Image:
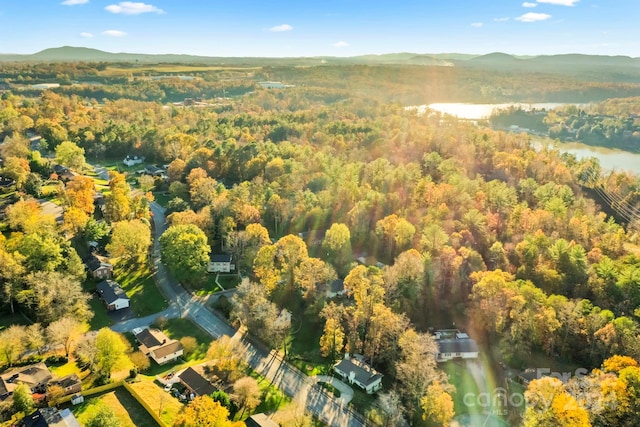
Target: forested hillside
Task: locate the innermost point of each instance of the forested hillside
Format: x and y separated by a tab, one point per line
457	224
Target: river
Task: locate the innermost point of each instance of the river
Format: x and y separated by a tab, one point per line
610	159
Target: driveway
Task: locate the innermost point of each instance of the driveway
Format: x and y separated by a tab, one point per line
346	392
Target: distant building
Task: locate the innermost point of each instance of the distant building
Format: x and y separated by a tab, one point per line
356	371
155	344
220	263
453	344
45	86
274	85
113	295
133	160
6	182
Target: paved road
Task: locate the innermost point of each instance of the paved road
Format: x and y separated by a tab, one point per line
284	376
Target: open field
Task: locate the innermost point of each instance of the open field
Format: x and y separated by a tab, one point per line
158	400
126	408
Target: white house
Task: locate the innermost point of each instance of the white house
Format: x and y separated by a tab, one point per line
453	344
113	295
133	160
156	345
221	263
359	373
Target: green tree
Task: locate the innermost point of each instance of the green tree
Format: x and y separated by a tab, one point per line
22	399
337	243
12	343
185	251
110	352
130	241
103	417
70	155
117	204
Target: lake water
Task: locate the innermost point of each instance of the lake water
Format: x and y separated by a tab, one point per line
610	159
483	111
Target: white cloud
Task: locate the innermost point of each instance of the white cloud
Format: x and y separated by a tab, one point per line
529	4
533	17
505	19
477	24
340	44
86	35
560	2
114	33
281	28
74	2
133	8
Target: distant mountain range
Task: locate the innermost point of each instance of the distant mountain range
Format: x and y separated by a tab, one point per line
624	67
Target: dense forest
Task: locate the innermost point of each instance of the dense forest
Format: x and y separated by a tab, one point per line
459	224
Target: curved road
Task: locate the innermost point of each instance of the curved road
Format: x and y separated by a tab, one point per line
268	363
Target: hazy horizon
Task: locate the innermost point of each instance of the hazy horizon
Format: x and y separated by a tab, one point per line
249	28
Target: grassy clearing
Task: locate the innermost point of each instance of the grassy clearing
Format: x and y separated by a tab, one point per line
140	287
127	409
228	281
100	318
464	383
158	400
305	346
162	198
178	328
272	399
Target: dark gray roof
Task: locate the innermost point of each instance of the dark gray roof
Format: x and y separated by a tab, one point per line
110	291
67	381
150	338
196	382
337	286
93	263
364	374
462	345
220	258
49	417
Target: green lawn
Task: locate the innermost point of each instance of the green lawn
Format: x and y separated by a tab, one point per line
228	281
304	350
140	287
178	328
162	197
464	383
126	408
272	398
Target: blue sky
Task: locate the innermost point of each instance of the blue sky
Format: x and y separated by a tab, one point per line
277	28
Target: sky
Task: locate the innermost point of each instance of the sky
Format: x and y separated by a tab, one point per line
277	28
